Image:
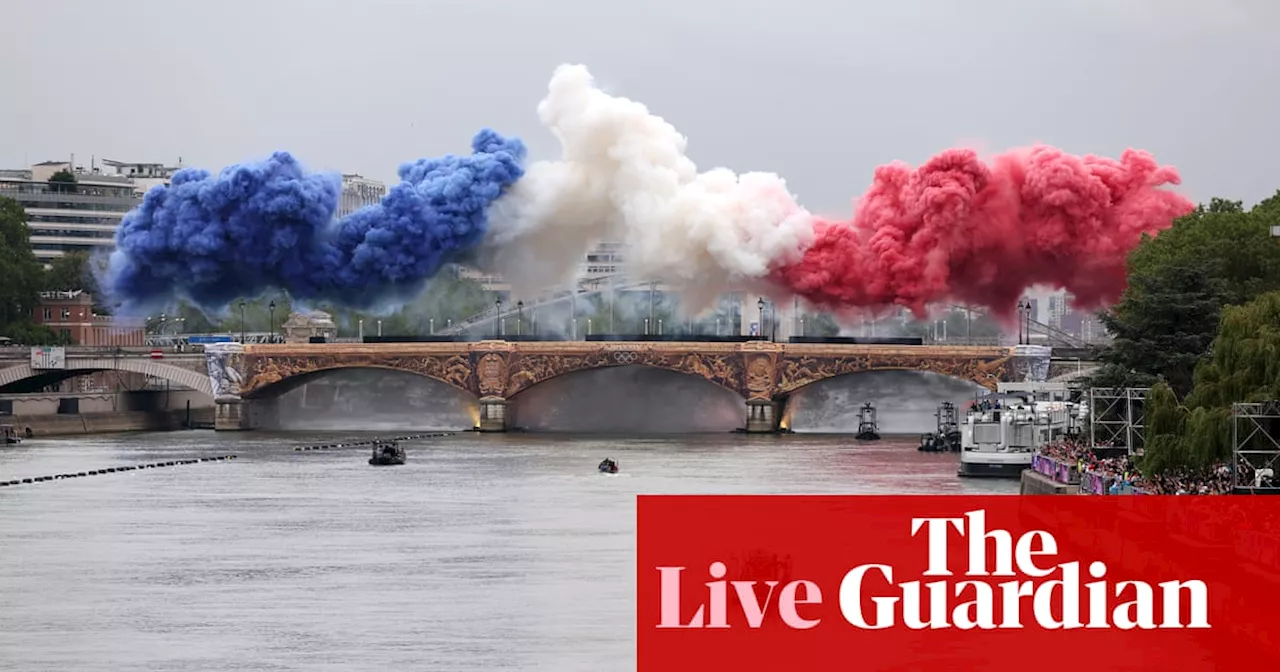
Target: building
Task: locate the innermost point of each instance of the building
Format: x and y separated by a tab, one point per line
1059	307
302	327
359	191
71	315
83	216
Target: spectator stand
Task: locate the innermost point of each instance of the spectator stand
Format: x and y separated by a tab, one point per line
1116	418
1255	441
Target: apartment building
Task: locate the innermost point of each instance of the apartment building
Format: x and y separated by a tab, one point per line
359	191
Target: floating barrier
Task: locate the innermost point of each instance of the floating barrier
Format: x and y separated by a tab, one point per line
113	470
370	442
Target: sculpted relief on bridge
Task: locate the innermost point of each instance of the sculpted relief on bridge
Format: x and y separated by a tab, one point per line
754	370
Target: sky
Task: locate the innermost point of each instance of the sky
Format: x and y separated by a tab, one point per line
819	91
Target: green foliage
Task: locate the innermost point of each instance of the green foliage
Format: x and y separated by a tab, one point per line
1165	323
20	272
1218	255
1244	366
27	332
64	181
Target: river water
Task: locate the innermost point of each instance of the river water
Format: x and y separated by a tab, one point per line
483	552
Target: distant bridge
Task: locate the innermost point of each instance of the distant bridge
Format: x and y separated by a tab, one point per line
763	373
184	371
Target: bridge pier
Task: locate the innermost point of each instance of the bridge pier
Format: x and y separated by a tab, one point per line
232	415
493	414
762	416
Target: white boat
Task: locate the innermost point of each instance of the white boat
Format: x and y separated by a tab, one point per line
1002	432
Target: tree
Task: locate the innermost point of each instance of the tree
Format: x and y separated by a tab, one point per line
1244	366
64	182
20	272
1165	323
1220	254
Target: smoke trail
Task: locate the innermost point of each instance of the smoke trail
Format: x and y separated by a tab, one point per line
957	229
624	176
270	225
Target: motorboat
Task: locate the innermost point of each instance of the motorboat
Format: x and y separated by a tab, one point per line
387	453
9	434
1003	431
868	428
608	466
948	436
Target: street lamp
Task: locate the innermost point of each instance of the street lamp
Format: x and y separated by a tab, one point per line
519	317
760	329
242	321
432	325
1024	313
497	328
271	308
379	328
652	287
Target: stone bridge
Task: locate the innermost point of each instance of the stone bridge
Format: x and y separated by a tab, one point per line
762	373
185	371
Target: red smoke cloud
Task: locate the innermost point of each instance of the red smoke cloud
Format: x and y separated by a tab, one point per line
959	230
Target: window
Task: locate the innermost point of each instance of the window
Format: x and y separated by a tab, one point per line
48	314
66	334
66	314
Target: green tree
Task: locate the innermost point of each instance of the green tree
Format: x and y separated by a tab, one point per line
20	272
1220	254
64	181
1164	324
1244	366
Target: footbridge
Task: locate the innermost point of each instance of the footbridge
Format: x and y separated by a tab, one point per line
20	371
248	379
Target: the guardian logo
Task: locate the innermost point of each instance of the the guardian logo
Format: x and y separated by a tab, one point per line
1040	592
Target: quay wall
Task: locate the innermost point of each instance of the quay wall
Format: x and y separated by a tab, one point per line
106	423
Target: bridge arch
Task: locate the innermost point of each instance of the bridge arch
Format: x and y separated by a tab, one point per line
15	376
632	398
989	381
527	378
272	389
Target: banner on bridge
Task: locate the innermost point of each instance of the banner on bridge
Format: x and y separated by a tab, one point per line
200	340
48	357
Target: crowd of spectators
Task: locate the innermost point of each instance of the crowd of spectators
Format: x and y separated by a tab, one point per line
1121	471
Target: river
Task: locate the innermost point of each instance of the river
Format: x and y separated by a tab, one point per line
483	552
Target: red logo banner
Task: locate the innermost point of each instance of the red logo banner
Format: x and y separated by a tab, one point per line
992	583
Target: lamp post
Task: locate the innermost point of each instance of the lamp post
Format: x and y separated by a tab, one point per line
760	329
1024	308
379	328
360	326
271	308
497	328
519	316
652	287
588	326
646	326
242	321
431	322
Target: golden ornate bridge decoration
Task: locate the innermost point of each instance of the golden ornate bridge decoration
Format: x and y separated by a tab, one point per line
756	370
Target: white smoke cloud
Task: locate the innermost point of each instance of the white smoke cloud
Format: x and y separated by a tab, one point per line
624	176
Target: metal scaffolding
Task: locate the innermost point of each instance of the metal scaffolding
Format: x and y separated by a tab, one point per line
1116	417
1255	447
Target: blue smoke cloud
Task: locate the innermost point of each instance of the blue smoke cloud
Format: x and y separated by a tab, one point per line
270	225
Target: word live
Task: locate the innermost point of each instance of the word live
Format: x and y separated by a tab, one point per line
1052	587
115	470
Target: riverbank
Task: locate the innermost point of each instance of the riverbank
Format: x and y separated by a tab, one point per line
72	424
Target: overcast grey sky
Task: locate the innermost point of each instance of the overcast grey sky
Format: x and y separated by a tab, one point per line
819	91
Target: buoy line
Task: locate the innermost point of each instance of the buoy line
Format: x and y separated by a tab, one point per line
370	442
113	470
